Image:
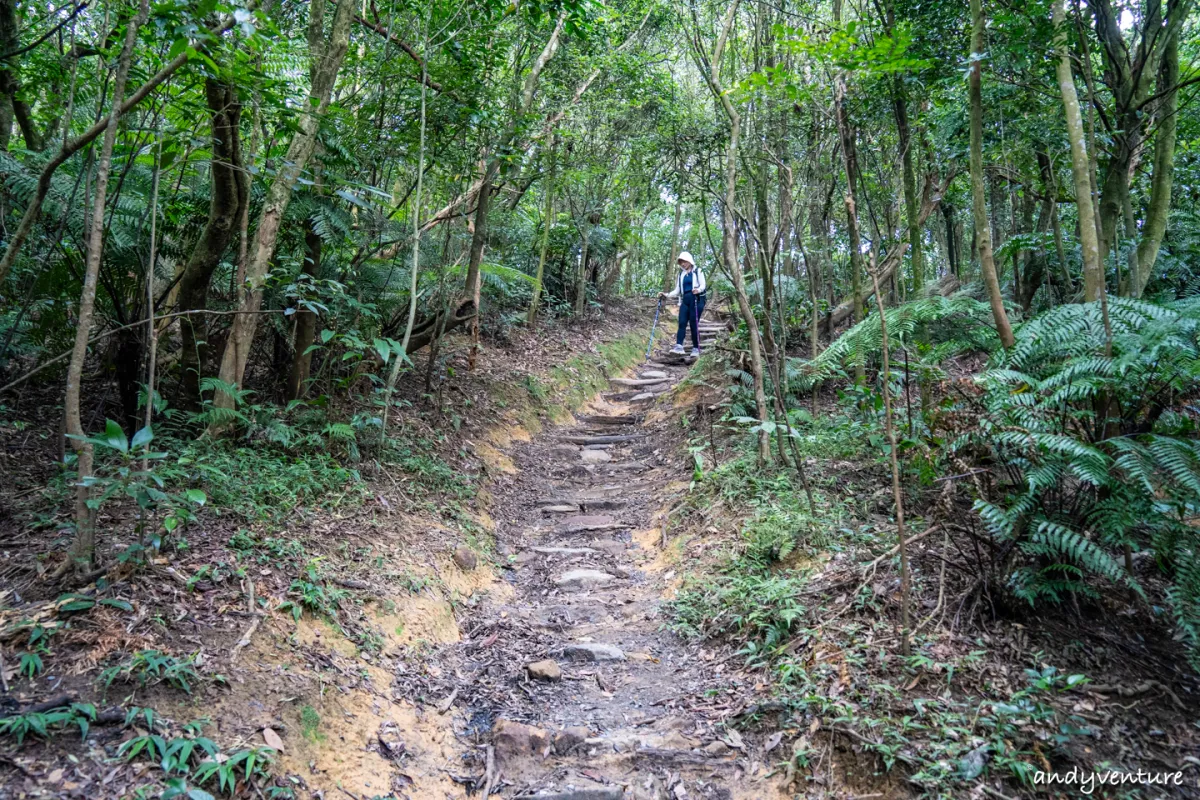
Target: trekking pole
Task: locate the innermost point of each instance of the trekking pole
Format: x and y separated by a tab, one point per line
696	321
652	328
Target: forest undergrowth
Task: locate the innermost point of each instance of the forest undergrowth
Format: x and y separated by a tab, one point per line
305	566
1032	648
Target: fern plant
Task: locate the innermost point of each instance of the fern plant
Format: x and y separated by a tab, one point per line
1077	421
936	327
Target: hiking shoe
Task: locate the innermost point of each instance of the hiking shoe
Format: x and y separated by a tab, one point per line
695	352
677	349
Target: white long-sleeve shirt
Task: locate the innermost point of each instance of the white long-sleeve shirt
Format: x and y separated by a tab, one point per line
699	285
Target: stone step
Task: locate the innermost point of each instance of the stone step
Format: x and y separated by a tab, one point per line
625	397
603	439
637	381
644	397
607	793
562	508
609	504
623	466
595	457
581	579
609	419
586	523
577	495
593	651
605	470
564	551
652	373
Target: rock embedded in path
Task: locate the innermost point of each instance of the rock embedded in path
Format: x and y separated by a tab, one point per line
513	740
643	397
653	373
545	670
593	651
610	546
716	749
391	743
465	558
598	522
584	579
595	456
568	739
560	509
607	793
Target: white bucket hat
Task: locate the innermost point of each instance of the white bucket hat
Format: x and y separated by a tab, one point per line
686	256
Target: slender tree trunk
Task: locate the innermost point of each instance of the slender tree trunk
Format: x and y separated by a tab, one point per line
951	250
901	536
327	58
1093	273
850	165
729	233
475	264
848	137
547	222
1164	156
582	273
982	231
912	202
228	200
306	320
151	330
83	551
766	261
415	266
668	281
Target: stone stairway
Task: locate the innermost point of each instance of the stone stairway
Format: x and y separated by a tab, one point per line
606	703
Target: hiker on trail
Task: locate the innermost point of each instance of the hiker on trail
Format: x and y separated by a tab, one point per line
692	291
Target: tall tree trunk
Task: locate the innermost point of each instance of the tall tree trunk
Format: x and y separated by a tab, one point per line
710	68
327	55
83	551
1093	273
229	192
982	231
547	222
306	320
1164	158
848	137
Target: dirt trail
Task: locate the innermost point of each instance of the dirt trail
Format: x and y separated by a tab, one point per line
570	685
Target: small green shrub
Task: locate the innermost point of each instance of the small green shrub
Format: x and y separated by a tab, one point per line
45	723
148	667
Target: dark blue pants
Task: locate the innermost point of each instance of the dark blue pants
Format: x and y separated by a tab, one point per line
690	311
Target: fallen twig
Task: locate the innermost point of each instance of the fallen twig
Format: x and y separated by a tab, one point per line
941	588
254	623
444	706
491	772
